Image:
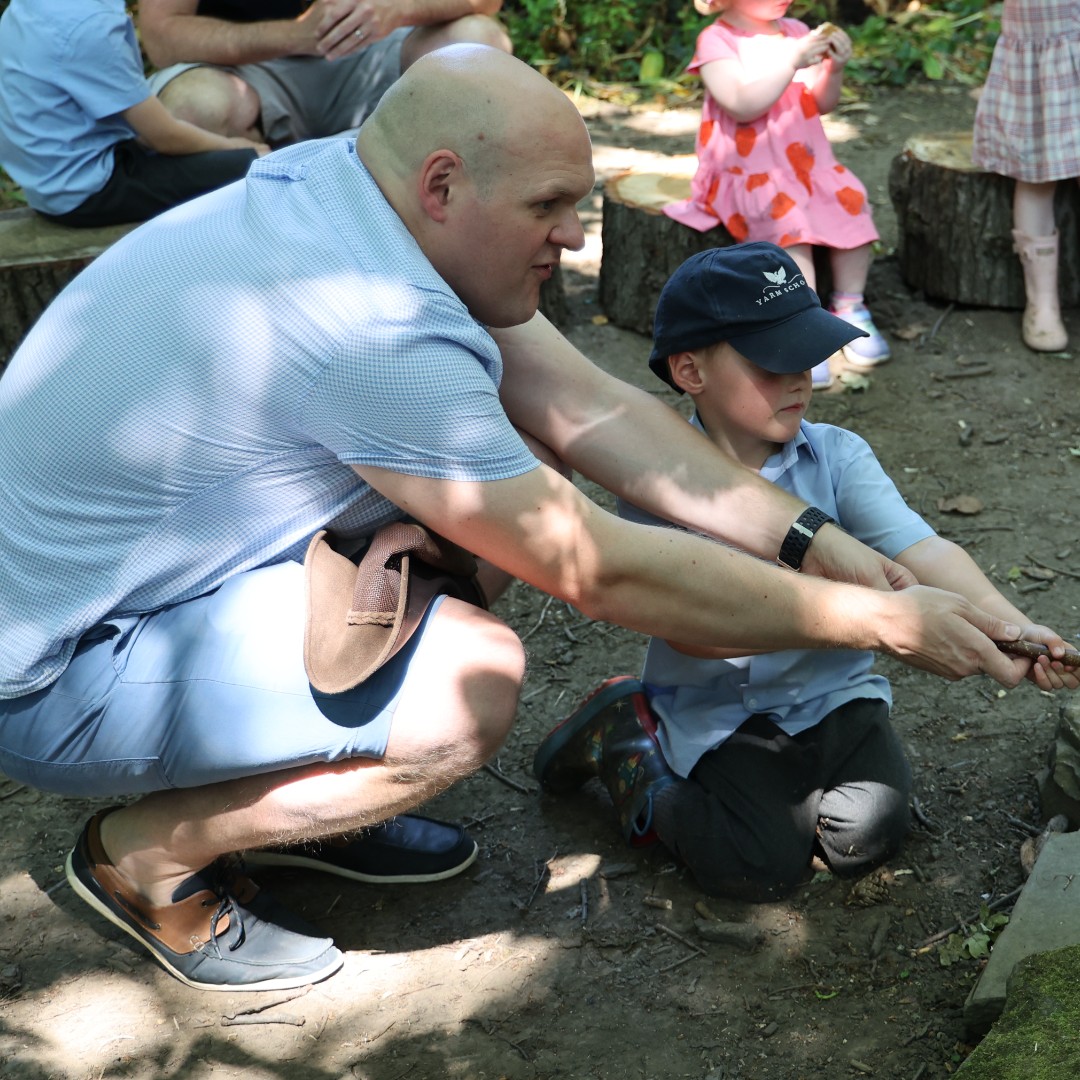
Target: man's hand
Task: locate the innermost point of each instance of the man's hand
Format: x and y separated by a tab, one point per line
945	634
835	555
341	27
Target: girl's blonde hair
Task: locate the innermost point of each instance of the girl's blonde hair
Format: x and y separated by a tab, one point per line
710	7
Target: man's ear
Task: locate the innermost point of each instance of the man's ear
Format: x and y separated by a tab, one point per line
439	173
686	372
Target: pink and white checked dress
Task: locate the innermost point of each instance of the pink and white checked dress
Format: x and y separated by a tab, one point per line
1027	124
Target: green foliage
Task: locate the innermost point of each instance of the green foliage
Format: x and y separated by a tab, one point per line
11	195
976	941
648	43
953	39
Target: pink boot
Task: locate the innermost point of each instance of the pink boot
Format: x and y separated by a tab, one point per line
1042	328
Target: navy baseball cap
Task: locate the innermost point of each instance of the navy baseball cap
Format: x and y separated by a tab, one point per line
752	296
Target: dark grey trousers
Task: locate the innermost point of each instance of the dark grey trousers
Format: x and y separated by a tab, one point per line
755	810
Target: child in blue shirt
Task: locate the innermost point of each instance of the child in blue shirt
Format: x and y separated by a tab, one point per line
751	767
81	132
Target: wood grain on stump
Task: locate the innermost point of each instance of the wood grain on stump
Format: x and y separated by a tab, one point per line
955	226
641	245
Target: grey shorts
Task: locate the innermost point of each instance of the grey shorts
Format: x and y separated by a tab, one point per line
306	97
208	690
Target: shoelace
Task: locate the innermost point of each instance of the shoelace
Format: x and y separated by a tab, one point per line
225	873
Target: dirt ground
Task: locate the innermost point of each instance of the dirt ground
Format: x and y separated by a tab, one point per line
562	953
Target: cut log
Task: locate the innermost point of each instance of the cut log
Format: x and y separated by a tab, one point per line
641	245
955	226
37	259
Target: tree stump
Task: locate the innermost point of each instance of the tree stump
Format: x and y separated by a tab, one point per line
955	226
641	245
37	259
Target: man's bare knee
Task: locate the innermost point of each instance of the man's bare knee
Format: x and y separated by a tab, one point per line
458	712
475	29
214	100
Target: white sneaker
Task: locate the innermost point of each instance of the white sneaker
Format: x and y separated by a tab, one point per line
821	376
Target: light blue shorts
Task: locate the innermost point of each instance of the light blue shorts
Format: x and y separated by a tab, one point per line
208	690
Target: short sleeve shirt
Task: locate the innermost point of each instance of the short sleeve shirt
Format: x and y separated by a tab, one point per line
702	702
190	406
68	70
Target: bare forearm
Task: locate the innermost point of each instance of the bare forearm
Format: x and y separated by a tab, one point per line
158	129
939	562
199	38
746	101
827	89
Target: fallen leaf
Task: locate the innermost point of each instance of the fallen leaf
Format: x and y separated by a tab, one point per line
599	320
854	381
910	332
1038	573
960	504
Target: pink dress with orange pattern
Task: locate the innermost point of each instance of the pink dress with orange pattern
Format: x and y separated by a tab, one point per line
774	178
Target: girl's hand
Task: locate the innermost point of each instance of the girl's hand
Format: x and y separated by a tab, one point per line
840	48
809	50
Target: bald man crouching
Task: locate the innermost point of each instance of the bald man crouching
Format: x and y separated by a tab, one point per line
345	339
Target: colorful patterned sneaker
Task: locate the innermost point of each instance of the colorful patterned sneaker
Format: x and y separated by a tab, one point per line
821	377
612	735
863	351
406	850
219	933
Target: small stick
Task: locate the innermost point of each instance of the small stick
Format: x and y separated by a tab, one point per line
967	373
543	611
258	1018
1031	830
678	937
1001	901
920	817
677	963
543	870
937	326
500	775
584	901
269	1004
1032	650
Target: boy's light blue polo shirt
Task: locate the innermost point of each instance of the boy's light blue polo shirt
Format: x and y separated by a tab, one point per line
702	702
68	69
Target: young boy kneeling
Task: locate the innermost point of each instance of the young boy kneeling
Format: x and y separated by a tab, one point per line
750	767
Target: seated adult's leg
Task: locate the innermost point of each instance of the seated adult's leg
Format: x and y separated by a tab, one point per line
475	29
864	814
454	712
216	100
744	822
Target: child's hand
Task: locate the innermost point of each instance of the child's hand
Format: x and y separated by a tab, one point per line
811	49
1046	672
840	48
238	142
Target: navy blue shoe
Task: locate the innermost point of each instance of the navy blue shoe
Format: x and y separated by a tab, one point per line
405	850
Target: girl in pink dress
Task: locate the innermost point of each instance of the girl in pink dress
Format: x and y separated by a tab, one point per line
766	170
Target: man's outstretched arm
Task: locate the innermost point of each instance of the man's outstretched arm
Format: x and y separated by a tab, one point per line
542	529
636	446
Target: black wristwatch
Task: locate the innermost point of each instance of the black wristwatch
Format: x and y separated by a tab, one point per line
793	549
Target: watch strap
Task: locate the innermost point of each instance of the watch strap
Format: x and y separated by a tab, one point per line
801	533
